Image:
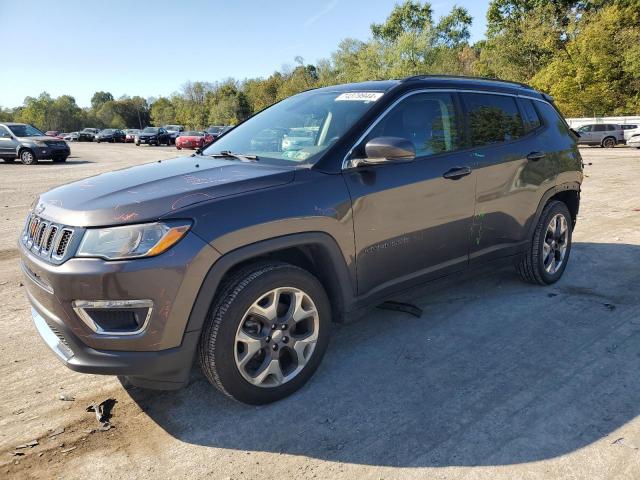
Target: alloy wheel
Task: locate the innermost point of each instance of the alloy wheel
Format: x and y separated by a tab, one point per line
276	337
554	248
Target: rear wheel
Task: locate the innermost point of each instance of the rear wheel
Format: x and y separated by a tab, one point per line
27	157
609	142
266	333
548	253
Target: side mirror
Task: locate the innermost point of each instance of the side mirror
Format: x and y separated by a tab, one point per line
382	150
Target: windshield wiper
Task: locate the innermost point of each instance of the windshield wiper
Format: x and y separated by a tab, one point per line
237	156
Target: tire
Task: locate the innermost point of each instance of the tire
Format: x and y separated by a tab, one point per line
219	348
27	157
535	265
137	144
609	142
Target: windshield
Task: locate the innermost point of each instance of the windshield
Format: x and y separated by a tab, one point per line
298	129
173	128
25	131
150	130
214	130
107	131
191	134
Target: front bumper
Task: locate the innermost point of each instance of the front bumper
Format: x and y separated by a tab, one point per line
167	369
147	140
158	356
42	153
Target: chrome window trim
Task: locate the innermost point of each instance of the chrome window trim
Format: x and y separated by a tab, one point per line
79	307
346	158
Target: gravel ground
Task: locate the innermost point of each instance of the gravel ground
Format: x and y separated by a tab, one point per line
497	380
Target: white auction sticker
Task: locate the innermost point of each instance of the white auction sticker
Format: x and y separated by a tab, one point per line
359	96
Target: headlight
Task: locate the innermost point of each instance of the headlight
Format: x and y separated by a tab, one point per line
132	241
40	144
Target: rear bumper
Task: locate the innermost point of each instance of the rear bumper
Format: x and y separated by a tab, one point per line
167	369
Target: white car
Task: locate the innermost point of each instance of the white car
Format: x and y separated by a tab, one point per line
630	129
634	141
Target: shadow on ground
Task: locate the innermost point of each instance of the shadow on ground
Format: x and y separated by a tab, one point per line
495	372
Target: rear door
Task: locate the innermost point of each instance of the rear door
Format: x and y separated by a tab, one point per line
409	219
514	165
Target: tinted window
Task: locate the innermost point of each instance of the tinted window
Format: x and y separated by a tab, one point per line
531	118
599	128
427	119
629	127
4	132
492	118
584	128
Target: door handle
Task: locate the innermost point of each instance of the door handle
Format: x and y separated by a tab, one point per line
535	156
456	173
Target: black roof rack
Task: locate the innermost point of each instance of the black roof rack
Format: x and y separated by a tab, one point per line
464	77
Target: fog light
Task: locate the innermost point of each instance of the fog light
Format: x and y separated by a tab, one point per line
114	317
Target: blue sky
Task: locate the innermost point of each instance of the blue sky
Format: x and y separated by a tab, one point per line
151	48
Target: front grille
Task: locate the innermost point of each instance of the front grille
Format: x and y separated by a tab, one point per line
64	242
56	143
47	239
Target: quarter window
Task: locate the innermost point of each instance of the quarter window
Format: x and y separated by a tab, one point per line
492	118
426	119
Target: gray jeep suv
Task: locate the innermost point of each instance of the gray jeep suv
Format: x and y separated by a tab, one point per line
241	256
19	140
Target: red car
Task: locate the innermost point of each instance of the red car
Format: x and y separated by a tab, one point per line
193	140
54	133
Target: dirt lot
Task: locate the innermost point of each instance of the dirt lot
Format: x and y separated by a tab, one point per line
497	380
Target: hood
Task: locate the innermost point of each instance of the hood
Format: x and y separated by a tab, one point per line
150	191
37	139
147	134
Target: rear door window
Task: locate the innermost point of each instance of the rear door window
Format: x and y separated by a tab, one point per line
531	118
492	118
599	128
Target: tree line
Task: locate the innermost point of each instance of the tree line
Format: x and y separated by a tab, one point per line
585	53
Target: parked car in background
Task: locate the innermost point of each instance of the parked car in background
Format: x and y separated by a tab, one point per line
630	129
192	140
52	133
71	137
154	136
88	134
215	130
111	135
297	138
61	135
130	135
174	131
606	135
26	142
634	141
409	181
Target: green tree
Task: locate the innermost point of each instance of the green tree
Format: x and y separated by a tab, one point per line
408	17
162	112
100	98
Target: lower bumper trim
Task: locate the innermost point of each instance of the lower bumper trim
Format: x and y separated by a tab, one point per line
50	338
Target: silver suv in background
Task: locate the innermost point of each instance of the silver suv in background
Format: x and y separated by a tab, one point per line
26	142
606	135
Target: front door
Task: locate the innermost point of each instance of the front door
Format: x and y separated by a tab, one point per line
8	144
413	219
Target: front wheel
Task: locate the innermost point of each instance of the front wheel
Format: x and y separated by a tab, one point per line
266	333
548	254
27	157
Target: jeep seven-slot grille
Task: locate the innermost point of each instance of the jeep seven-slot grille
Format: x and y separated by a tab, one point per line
46	239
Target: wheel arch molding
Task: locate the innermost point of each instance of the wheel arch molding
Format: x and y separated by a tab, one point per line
569	193
317	252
